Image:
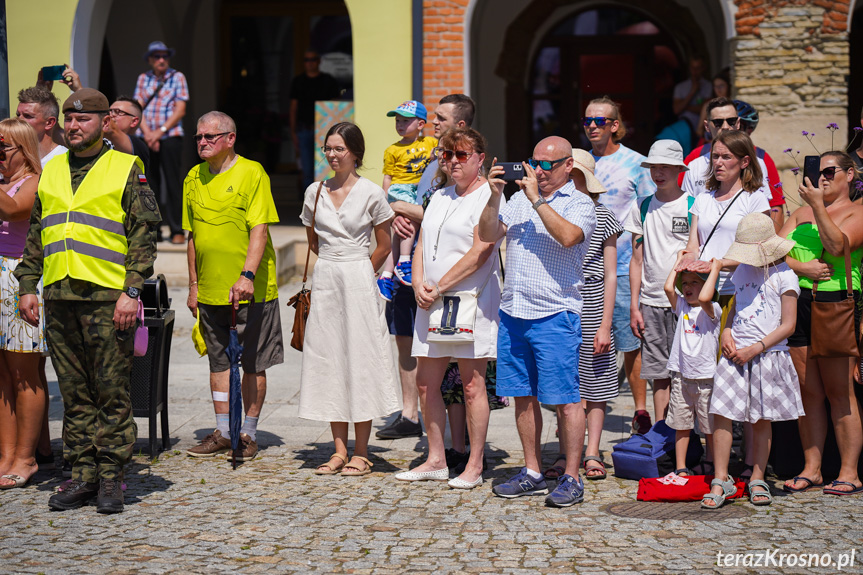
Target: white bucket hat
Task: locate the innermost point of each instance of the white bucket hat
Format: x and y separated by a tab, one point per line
665	153
583	162
756	242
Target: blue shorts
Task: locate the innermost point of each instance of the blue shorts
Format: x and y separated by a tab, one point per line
402	193
624	339
539	357
401	311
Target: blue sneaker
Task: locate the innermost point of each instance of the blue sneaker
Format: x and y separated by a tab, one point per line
569	491
403	272
387	287
521	484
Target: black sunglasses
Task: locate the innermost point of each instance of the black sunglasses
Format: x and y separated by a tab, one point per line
460	155
829	172
717	123
210	138
545	165
2	149
600	121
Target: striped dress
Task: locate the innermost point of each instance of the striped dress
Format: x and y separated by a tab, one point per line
597	372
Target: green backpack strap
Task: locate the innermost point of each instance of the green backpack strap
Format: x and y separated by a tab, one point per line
643	209
690	201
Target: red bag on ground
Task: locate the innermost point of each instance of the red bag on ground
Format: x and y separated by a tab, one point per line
651	489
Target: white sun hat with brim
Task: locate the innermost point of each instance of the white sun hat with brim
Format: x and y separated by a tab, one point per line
583	162
665	153
756	242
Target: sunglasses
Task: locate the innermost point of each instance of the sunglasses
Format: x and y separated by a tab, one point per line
2	149
210	138
161	56
717	123
460	155
829	172
600	121
545	165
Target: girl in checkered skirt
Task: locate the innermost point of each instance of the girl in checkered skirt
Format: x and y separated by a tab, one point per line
755	379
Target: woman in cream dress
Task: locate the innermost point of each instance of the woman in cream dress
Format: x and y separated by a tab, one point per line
347	375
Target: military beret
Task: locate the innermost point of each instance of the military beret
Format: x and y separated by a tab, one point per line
87	101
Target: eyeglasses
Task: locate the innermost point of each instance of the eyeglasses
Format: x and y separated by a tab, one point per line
337	150
160	56
210	138
600	121
829	172
717	123
118	112
545	165
460	155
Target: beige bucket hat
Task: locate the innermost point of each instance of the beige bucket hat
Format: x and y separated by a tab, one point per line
584	163
756	242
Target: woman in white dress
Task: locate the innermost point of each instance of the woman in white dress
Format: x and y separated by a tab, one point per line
347	375
450	257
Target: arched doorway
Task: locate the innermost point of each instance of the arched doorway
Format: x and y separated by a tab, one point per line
604	51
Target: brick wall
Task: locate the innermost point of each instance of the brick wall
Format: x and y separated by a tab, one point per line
443	49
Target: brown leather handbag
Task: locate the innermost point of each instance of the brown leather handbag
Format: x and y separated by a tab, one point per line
832	328
302	300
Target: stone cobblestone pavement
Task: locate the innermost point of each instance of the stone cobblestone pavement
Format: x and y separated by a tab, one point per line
273	515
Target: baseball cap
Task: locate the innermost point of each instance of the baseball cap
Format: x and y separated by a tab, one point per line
410	109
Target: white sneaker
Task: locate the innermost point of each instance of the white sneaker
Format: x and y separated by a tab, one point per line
437	475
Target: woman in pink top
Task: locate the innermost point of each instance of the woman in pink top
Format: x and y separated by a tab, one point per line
22	394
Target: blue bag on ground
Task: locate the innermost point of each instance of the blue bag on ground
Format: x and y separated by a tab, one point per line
652	454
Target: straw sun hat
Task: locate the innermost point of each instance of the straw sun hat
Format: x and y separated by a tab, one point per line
756	242
584	163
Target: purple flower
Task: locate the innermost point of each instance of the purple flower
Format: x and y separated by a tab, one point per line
832	126
858	129
779	185
805	133
859	185
795	171
787	151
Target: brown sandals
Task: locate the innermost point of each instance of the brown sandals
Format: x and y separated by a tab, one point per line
352	469
327	469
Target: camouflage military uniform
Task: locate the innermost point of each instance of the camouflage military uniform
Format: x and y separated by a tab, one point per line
93	360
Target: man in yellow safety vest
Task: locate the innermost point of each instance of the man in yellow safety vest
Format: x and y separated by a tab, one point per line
92	240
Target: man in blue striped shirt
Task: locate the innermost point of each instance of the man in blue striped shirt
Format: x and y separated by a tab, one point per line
547	227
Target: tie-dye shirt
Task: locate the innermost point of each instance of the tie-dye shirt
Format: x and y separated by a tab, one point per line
626	181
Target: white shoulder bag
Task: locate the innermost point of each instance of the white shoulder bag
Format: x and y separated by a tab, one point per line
452	317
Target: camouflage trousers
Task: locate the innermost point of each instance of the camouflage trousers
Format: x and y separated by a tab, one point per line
93	362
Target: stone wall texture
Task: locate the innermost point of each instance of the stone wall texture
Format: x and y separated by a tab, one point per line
791	56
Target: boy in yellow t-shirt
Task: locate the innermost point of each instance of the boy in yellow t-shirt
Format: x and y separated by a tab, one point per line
404	163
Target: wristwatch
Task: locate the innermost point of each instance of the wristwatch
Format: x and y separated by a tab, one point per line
248	274
133	292
539	202
164	129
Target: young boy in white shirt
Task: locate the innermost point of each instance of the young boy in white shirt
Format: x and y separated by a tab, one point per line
692	363
660	229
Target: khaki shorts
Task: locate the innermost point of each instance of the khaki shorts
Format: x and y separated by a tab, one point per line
259	329
690	398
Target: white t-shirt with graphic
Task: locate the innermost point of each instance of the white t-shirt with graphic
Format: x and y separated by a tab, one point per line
758	305
696	341
666	232
625	180
709	210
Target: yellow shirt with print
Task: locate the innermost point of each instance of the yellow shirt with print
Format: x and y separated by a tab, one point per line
405	163
220	210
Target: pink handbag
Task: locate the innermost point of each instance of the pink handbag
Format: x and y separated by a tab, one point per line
142	334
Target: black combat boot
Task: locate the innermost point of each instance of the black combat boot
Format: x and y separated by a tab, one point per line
110	498
73	496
